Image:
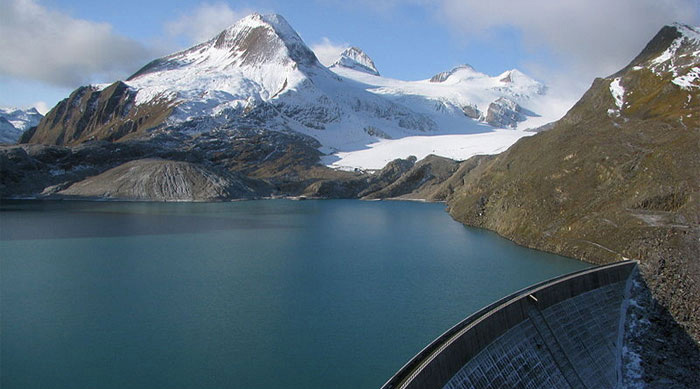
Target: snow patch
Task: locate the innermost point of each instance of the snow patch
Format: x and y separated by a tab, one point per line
457	147
688	32
671	59
617	92
689	80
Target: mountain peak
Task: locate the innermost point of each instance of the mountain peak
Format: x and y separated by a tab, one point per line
674	49
687	31
277	23
512	75
256	40
464	71
260	37
354	58
14	121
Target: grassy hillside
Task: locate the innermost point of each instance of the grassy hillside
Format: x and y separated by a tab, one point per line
609	181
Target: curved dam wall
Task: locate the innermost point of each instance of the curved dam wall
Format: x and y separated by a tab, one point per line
562	333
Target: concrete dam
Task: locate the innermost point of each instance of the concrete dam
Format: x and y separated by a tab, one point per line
562	333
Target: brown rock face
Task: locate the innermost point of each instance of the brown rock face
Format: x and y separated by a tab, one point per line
91	114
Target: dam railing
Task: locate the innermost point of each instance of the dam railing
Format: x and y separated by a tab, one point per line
438	362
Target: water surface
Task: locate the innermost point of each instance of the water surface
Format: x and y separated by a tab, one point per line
255	294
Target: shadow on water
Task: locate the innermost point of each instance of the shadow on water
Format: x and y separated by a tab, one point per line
24	220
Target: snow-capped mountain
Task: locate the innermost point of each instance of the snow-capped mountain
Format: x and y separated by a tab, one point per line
452	98
260	73
677	63
681	58
251	62
14	121
355	58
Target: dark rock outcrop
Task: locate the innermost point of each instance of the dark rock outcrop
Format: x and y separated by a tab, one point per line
471	111
504	112
359	184
420	182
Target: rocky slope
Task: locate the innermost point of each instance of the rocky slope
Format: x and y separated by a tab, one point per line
618	177
30	170
420	182
209	166
160	180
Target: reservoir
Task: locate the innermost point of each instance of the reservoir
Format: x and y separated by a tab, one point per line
253	294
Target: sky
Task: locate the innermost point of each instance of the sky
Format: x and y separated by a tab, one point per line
51	47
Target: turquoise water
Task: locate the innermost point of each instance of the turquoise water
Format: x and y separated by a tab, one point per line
255	294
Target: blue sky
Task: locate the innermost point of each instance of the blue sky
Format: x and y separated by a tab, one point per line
53	46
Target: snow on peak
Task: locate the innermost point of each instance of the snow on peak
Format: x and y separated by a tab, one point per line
260	36
461	72
514	75
254	60
14	121
254	41
259	72
681	56
520	83
21	119
689	32
355	58
690	80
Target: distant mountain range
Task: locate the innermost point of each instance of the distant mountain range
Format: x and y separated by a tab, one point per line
259	73
15	121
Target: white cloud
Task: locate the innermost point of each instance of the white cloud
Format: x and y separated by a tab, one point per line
327	51
49	46
381	6
42	107
204	22
586	38
590	37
